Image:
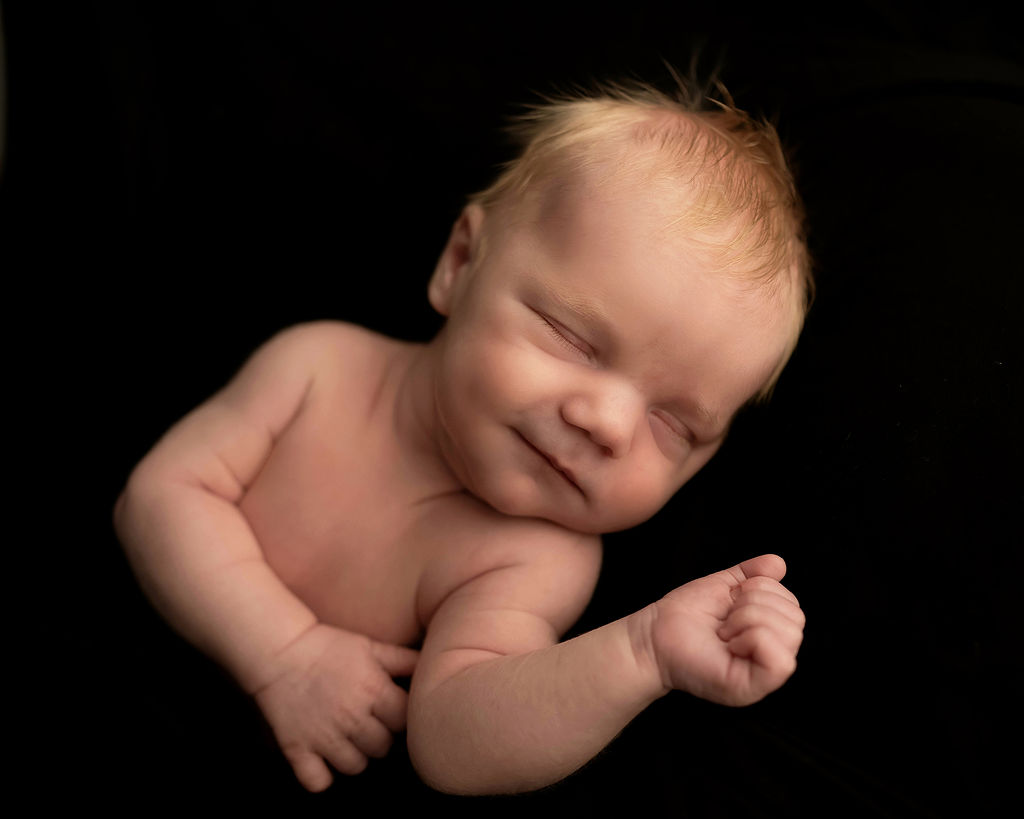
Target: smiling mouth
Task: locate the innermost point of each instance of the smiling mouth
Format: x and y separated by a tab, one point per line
565	473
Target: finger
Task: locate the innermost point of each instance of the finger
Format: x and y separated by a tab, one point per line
390	707
768	585
372	738
770	566
398	661
345	757
770	600
789	633
311	771
765	650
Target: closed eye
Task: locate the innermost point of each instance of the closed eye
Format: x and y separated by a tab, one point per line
675	426
565	337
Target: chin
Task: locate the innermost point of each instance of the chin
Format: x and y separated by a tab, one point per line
508	498
521	499
612	521
587	522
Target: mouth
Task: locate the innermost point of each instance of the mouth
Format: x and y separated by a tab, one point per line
561	470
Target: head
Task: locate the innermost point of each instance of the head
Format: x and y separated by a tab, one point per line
629	282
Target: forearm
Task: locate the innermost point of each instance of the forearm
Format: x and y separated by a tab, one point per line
518	723
199	562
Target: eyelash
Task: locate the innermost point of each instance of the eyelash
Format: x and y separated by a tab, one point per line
561	338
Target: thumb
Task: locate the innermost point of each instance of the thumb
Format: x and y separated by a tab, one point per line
771	566
398	661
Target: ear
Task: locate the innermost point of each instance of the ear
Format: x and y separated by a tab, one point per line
457	259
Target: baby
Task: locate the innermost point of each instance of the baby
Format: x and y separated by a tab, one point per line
631	280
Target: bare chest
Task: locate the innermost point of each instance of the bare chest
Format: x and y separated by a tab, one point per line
333	513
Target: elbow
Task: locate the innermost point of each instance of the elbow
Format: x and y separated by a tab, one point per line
141	493
126	513
443	765
119	511
123	505
430	762
457	778
127	500
436	762
436	774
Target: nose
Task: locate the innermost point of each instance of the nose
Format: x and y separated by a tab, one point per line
607	413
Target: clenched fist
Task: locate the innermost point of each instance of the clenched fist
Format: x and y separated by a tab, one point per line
730	637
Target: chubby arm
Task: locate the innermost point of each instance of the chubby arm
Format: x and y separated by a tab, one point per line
327	693
188	543
497	703
498	706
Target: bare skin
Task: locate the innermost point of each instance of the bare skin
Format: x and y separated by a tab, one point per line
348	498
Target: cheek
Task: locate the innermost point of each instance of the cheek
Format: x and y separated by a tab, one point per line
472	394
499	371
641	493
654	480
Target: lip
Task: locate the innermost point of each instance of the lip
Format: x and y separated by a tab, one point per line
553	463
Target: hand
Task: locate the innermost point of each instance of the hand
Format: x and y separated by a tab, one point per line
730	637
336	702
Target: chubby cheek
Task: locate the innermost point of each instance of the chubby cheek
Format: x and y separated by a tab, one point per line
641	499
646	488
635	497
502	374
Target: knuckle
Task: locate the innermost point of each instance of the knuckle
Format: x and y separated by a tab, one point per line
783	664
293	750
749	614
372	686
751	597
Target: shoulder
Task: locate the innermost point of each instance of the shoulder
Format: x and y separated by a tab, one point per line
495	561
319	352
318	341
284	372
519	587
557	570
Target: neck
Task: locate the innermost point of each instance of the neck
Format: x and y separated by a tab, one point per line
416	424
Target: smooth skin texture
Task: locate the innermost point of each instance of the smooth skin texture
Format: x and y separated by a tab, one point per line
348	498
596	343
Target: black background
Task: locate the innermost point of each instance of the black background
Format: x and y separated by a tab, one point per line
184	179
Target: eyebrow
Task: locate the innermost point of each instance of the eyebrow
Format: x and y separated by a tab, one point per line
582	307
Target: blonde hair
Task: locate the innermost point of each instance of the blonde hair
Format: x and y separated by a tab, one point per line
738	200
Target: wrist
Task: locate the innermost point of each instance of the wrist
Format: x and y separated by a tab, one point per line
640	628
268	666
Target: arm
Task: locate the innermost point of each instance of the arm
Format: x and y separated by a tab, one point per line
189	545
498	706
199	562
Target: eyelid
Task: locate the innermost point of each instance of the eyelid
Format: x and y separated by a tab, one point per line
565	335
678	428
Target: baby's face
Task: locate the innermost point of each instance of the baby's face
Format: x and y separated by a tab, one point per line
590	365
